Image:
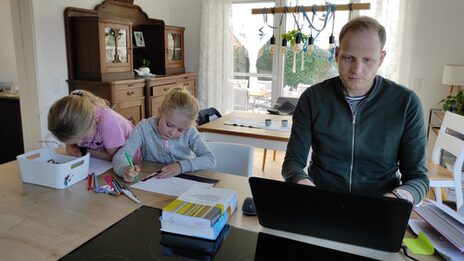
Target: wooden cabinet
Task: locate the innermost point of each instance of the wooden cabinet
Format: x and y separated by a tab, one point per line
174	49
102	55
11	135
101	49
126	96
160	86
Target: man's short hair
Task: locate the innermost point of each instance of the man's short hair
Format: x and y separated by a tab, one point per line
364	23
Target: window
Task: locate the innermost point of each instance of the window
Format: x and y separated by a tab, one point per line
253	63
268	76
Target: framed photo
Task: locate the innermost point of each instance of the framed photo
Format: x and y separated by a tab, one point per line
139	42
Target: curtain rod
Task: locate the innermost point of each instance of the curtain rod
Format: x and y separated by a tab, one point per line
319	8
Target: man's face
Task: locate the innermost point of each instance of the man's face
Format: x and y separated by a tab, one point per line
359	56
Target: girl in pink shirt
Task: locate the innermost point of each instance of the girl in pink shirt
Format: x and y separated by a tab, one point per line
85	122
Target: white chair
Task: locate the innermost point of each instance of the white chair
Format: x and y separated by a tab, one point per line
450	139
233	158
240	99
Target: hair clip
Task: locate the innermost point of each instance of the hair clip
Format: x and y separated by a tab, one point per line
77	93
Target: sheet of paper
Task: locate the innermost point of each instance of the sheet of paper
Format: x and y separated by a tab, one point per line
420	245
275	125
99	166
170	186
447	250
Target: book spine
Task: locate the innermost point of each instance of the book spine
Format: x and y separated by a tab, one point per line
188	213
207	233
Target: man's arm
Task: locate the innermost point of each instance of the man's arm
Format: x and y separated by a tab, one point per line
412	152
299	144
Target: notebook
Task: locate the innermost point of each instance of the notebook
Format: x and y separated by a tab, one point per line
368	221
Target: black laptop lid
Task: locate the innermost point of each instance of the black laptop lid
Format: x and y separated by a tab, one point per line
373	222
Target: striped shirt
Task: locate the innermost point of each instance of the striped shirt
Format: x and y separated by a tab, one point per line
354	101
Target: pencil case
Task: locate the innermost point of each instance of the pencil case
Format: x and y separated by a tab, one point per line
47	168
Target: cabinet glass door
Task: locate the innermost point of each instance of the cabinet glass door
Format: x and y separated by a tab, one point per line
116	45
174	47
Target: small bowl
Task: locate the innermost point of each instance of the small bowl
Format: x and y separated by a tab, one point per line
284	123
268	122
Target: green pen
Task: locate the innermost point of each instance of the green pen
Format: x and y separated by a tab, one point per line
131	165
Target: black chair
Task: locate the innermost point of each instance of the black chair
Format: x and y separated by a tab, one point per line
207	115
284	105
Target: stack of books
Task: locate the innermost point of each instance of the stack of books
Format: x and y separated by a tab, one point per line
199	212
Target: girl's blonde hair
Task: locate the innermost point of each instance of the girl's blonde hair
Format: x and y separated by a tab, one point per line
180	99
72	116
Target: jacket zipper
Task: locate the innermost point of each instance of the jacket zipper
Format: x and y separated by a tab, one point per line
353	124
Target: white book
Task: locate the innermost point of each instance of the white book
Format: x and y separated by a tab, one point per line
446	221
201	232
200	206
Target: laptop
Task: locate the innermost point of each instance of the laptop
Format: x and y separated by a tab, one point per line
373	222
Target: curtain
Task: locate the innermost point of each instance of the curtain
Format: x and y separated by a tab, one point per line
216	56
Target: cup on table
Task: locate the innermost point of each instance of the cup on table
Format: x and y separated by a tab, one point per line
284	123
268	122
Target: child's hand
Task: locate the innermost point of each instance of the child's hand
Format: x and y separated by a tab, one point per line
170	170
73	150
129	174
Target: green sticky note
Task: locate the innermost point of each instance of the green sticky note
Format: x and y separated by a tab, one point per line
420	245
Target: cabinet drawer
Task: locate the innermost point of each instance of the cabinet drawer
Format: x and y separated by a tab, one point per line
127	93
188	84
155	103
162	90
133	110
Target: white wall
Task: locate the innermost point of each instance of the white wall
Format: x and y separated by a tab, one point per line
187	13
438	40
7	49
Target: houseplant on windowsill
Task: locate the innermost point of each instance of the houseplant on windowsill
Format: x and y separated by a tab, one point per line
454	103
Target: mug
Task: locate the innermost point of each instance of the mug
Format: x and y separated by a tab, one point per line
284	123
267	122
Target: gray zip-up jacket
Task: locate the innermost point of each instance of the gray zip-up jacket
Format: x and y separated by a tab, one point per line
360	153
146	137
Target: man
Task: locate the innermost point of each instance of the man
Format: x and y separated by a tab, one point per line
362	128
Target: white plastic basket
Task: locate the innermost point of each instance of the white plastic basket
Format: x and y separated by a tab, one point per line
47	168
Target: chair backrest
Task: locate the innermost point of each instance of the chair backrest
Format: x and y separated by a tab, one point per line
233	158
240	99
207	115
283	99
450	139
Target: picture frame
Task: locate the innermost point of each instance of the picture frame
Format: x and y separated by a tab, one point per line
139	42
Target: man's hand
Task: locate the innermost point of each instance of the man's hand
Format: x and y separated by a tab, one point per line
306	182
400	193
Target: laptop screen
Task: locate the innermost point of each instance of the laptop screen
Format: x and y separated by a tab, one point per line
368	221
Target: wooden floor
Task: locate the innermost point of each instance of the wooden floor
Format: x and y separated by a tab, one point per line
272	168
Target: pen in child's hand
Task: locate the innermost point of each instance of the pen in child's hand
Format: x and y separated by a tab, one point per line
131	165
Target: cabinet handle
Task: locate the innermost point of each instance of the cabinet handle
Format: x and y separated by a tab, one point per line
130	93
166	89
130	84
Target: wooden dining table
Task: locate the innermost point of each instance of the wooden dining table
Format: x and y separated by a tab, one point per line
220	130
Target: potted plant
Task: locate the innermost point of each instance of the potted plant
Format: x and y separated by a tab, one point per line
454	103
144	69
